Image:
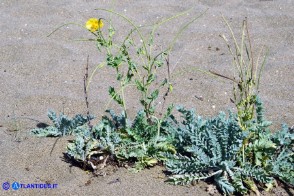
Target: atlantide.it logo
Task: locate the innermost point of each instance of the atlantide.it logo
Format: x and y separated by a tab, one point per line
6	186
16	185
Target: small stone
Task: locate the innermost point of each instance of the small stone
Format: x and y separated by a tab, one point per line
211	189
194	182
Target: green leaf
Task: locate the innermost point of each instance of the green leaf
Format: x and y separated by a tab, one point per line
119	76
158	63
62	125
116	97
111	31
150	79
164	82
46	132
141	51
143	102
140	86
224	184
154	95
114	61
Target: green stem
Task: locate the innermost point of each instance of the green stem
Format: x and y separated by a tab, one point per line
90	79
243	153
107	105
158	127
123	97
67	24
182	29
130	22
164	21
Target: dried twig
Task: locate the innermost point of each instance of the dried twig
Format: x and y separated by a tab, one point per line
86	93
250	48
114	181
54	145
226	77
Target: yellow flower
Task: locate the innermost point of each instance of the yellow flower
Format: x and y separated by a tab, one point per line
93	24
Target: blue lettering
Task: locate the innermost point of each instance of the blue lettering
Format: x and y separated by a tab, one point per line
34	186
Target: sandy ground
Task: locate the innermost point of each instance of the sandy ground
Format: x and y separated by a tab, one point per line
40	73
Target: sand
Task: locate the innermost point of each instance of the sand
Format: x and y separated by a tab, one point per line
40	73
